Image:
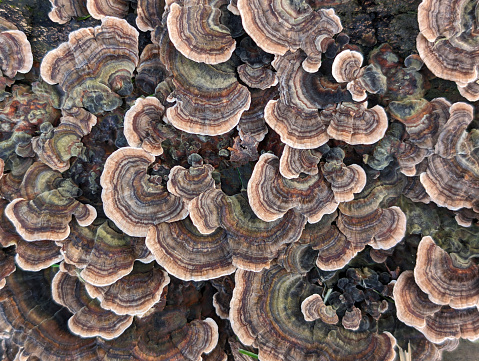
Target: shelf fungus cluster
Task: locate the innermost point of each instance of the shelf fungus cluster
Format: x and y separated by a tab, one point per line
189	178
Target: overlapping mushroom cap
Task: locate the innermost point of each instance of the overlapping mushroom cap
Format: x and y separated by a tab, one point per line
271	195
197	33
209	99
15	52
64	10
98	9
279	26
131	198
447	43
95	66
266	312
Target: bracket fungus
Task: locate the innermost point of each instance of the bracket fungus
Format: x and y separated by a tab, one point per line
197	33
293	162
98	9
301	27
253	242
15	52
112	47
313	308
64	10
47	205
131	198
271	195
259	78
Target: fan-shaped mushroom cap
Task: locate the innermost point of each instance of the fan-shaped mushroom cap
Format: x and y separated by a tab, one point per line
253	242
252	120
313	308
150	71
55	146
190	183
15	52
64	10
271	195
135	293
131	199
438	323
266	312
98	9
344	180
142	125
301	27
189	255
346	66
197	33
89	319
451	178
35	256
446	280
112	47
260	78
355	124
149	14
293	162
209	99
470	91
47	206
352	319
297	128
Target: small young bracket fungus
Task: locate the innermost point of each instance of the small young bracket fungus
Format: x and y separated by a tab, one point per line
130	196
253	243
438	323
451	177
352	319
98	9
313	308
448	47
259	77
209	99
271	195
55	146
355	124
112	48
190	183
15	52
293	162
301	27
142	125
266	312
189	255
197	33
47	205
150	71
135	293
64	10
447	280
346	66
89	319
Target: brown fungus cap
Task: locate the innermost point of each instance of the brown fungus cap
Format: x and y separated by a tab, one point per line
446	279
35	256
7	266
130	196
266	312
143	127
89	319
135	293
189	255
271	195
197	33
209	99
259	78
149	14
64	10
352	319
112	47
346	66
98	9
355	124
190	183
47	206
313	308
293	162
438	323
253	242
470	91
15	52
55	146
451	178
150	71
301	27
